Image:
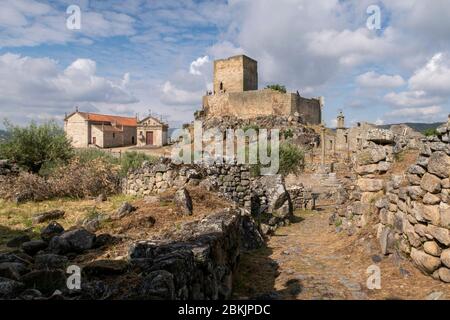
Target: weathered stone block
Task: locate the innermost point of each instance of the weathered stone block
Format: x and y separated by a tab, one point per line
424	261
439	164
370	185
431	183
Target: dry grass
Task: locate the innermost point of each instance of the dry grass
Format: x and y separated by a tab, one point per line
149	221
76	179
403	160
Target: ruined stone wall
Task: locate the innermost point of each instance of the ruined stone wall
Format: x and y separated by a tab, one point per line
197	262
265	197
252	104
415	213
411	210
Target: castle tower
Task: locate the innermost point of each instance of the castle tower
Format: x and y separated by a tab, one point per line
340	121
235	74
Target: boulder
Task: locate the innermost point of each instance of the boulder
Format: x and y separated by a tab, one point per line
445	257
46	281
17	241
105	267
371	156
444	211
415	169
50	261
12	270
105	239
431	213
76	240
52	230
431	199
158	285
183	201
440	234
424	261
370	185
431	247
431	183
366	169
124	210
444	274
380	136
34	246
439	164
10	288
46	216
415	192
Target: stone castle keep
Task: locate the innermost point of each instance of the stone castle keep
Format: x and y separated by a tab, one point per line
236	94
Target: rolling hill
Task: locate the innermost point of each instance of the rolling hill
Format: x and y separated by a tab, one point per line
420	127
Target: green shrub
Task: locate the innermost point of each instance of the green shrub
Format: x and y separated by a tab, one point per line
133	160
88	155
277	87
35	145
292	159
288	134
430	132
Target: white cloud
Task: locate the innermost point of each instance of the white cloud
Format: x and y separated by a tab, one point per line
426	114
411	99
374	80
32	23
37	86
434	77
172	95
197	65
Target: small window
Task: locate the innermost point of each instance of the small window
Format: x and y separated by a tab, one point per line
114	135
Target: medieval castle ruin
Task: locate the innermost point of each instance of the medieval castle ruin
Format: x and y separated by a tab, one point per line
236	94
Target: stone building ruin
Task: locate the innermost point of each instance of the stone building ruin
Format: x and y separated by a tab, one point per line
236	94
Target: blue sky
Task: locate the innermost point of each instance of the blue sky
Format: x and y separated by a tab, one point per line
138	55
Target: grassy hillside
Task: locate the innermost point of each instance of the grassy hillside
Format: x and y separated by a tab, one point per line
420	127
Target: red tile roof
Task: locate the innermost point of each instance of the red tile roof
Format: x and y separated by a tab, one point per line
124	121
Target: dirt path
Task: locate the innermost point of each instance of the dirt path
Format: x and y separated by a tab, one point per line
309	260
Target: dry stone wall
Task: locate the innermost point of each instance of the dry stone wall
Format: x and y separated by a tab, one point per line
266	197
197	262
415	213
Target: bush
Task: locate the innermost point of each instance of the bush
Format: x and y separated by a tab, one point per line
133	160
88	155
430	132
80	180
35	145
277	87
292	159
76	179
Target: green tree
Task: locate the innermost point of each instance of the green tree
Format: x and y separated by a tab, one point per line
35	145
277	87
292	159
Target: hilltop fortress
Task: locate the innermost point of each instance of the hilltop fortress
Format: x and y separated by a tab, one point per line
236	94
